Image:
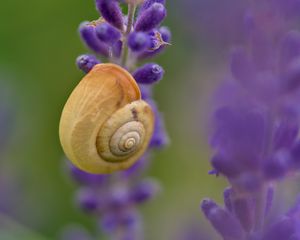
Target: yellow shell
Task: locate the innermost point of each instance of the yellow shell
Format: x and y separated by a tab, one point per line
105	126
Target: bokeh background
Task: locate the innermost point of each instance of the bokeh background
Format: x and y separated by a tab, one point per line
38	47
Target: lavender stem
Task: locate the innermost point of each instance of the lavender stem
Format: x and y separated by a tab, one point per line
131	13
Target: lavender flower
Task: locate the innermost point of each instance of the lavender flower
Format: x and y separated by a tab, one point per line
111	12
151	17
255	126
88	35
149	73
113	199
139	41
107	33
86	62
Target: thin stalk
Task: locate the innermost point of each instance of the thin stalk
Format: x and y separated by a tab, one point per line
125	50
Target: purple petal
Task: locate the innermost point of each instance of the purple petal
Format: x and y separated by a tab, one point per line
224	222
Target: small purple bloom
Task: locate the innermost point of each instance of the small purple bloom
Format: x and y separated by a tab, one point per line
109	222
88	35
144	191
107	33
129	218
165	33
156	44
227	195
86	62
149	73
148	3
138	41
111	12
87	199
223	221
160	137
151	18
119	197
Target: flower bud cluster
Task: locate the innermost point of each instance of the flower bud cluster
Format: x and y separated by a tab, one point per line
113	198
124	40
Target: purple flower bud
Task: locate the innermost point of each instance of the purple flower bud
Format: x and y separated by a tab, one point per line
86	62
277	166
109	222
227	195
129	218
224	222
151	18
87	178
144	191
88	35
166	37
111	12
119	197
148	3
138	41
87	199
165	33
160	137
108	33
149	73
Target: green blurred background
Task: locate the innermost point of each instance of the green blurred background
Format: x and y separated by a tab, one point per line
38	47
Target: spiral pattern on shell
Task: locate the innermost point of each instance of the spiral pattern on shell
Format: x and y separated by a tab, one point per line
105	126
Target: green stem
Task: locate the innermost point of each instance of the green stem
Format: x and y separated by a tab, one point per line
125	50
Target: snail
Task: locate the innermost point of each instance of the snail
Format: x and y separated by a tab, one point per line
105	126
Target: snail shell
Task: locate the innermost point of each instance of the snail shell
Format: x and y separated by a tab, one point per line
105	126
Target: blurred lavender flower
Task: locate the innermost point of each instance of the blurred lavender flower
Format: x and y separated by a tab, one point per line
256	123
113	198
123	40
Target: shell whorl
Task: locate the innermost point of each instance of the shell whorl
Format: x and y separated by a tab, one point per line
105	126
